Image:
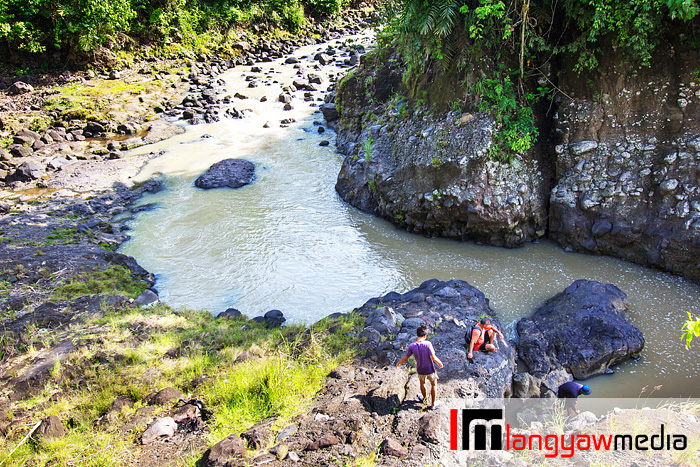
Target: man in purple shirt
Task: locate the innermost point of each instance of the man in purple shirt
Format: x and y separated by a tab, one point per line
422	350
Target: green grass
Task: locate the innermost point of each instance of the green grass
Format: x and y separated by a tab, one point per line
5	287
367	145
292	365
67	235
115	279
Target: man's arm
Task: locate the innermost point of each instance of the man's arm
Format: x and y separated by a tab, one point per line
471	344
402	361
436	360
500	334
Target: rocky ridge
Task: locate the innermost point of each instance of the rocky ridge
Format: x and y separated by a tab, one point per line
372	404
429	173
621	178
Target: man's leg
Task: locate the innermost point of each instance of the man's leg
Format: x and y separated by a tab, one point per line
488	341
422	388
433	392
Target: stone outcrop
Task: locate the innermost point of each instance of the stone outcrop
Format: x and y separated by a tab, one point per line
583	330
449	309
164	427
628	164
432	174
228	452
164	396
623	158
371	403
51	427
228	173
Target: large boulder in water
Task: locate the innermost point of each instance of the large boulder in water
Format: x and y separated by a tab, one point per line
450	310
230	173
583	330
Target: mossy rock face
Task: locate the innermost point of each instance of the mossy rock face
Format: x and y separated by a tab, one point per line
432	175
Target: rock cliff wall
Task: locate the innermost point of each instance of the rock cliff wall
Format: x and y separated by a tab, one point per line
626	157
628	165
431	174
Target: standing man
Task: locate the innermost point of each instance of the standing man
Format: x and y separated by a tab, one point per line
422	350
570	391
483	335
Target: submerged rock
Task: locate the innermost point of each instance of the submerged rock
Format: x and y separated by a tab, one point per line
583	330
230	173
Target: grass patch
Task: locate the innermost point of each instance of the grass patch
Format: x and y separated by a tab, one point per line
67	235
85	100
129	356
115	279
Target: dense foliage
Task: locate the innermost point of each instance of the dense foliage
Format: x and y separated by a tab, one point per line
499	48
441	29
40	25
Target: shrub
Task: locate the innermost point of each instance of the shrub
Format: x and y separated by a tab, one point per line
323	7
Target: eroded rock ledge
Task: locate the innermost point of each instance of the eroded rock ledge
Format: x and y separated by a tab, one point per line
623	160
432	174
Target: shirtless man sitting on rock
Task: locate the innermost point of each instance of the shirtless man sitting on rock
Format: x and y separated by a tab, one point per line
483	335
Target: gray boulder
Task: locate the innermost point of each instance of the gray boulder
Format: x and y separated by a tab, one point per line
164	396
162	428
146	298
230	313
330	113
274	318
19	87
228	452
51	427
21	151
230	173
583	330
29	170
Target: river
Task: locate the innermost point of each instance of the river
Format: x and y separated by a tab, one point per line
288	242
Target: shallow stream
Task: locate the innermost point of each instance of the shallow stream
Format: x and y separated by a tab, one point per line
288	242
